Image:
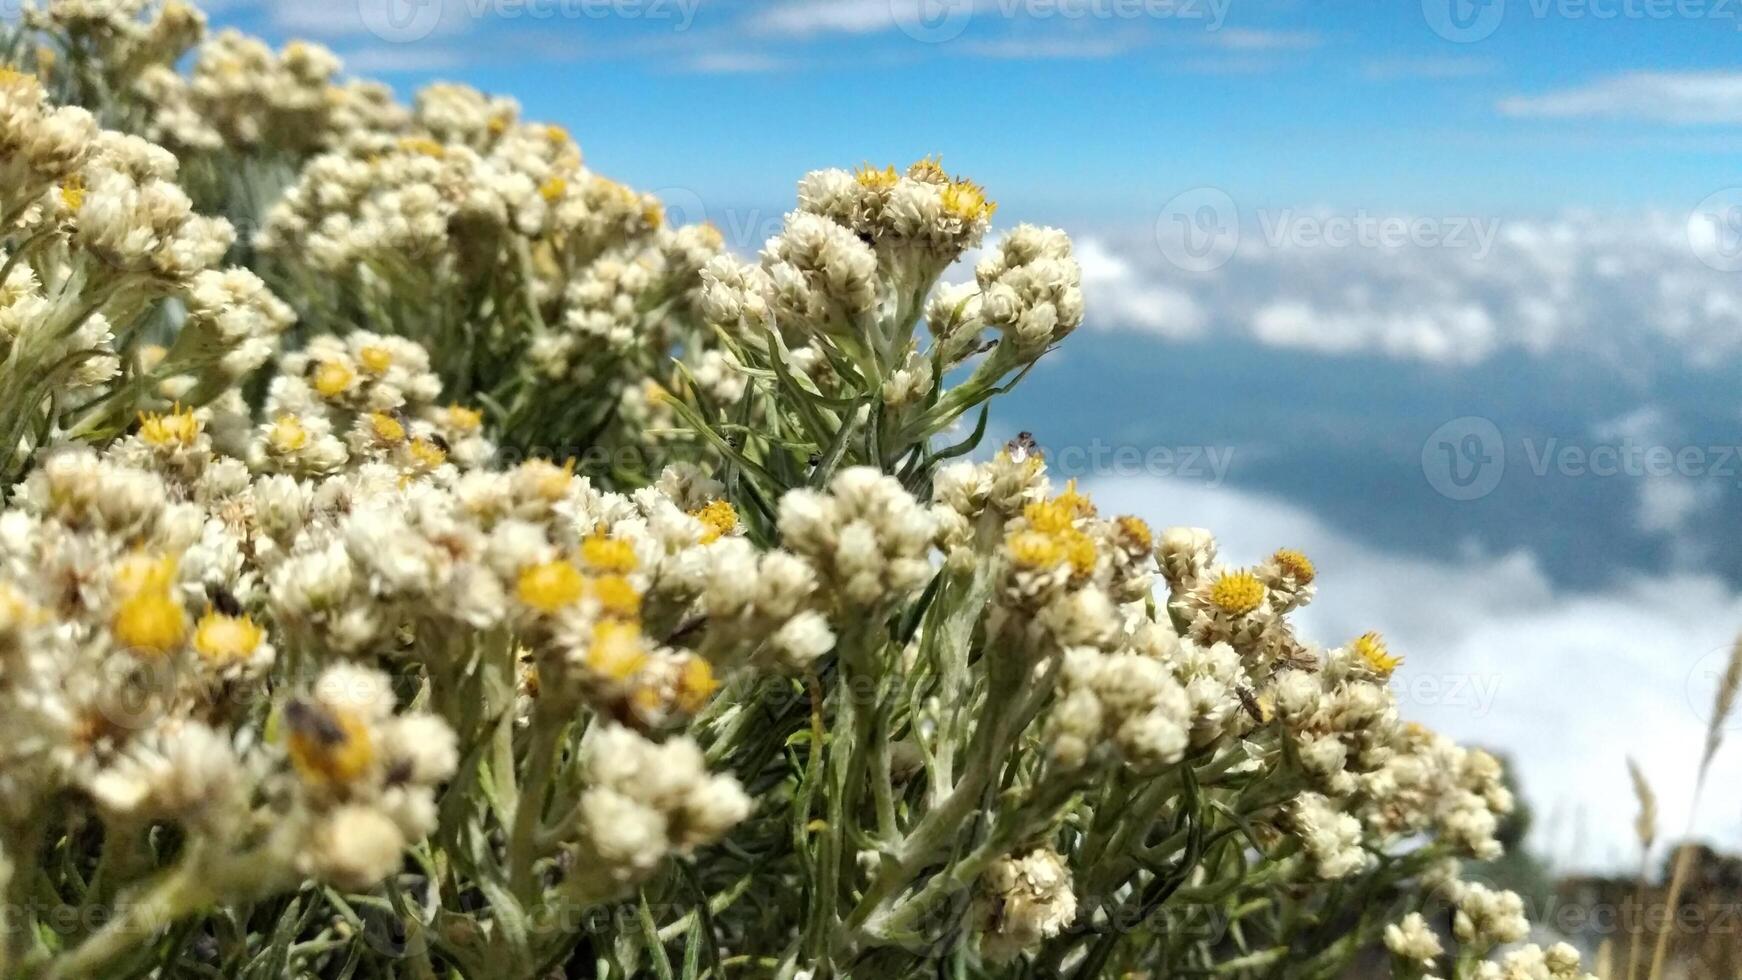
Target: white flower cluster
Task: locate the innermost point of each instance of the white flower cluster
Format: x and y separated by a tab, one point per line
1023	901
868	539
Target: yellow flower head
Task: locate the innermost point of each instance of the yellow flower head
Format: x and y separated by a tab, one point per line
287	435
222	639
1134	533
10	77
695	685
375	358
328	745
871	178
965	200
150	623
1050	516
1294	564
1237	593
1079	504
551	586
653	214
553	189
547	480
616	596
386	428
72	192
177	429
463	419
333	378
718	519
604	554
1370	647
616	652
930	170
1034	549
427	454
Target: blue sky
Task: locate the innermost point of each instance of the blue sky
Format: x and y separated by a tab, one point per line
1089	108
1322	243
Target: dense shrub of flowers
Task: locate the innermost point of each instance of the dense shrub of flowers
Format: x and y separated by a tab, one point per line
311	664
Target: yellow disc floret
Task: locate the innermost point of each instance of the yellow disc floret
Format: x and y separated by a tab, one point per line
1237	593
1134	533
718	519
222	639
616	596
150	623
386	428
333	378
1034	549
1294	564
328	745
616	652
1370	647
551	586
608	555
287	435
177	428
695	685
375	359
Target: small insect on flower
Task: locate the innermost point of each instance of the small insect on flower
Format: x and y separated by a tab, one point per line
327	745
1370	647
1237	593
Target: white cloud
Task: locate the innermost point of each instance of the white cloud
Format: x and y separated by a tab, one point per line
1252	39
807	18
734	63
1569	684
1679	98
1624	290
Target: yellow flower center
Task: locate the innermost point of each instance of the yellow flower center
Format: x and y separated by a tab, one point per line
140	573
871	178
386	428
551	586
175	429
603	554
616	652
150	623
423	145
553	189
1135	534
1237	593
1050	516
965	200
224	639
1295	564
333	378
546	480
427	454
72	192
463	419
695	685
718	519
1033	549
328	745
375	359
616	596
930	170
287	435
1370	647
